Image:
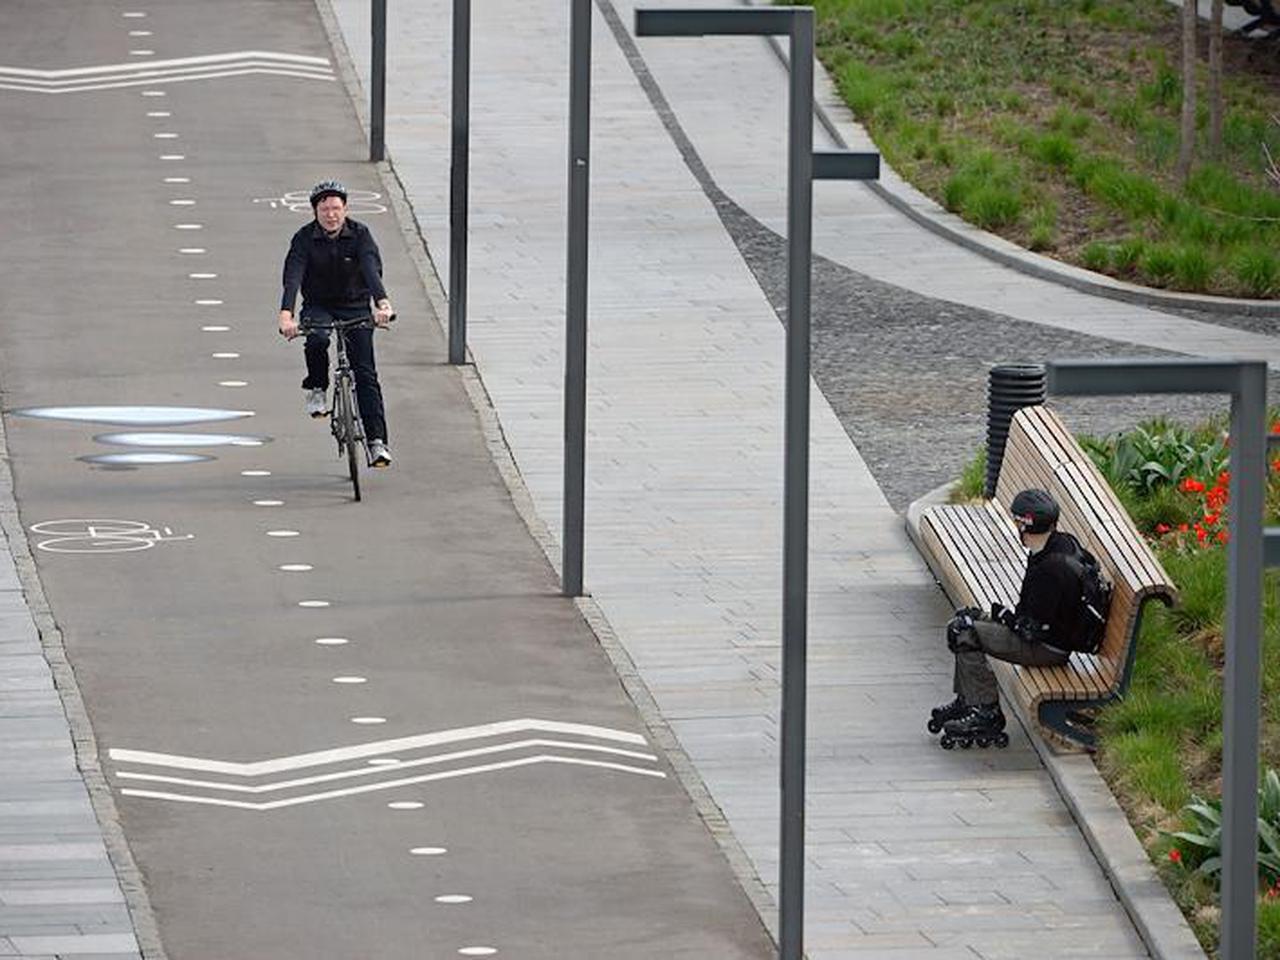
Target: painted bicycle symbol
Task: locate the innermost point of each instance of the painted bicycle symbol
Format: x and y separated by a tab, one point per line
298	201
101	536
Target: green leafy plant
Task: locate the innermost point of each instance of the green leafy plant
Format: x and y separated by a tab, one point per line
1203	842
1157	454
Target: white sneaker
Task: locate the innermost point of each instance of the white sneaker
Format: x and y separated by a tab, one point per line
317	402
379	455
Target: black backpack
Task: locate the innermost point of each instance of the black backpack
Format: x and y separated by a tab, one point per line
1094	603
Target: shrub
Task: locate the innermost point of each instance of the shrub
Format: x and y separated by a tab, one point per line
1041	237
1069	122
1159	262
992	205
1096	256
1192	269
1258	270
902	44
863	89
1054	150
985	190
1126	254
1125	112
973	479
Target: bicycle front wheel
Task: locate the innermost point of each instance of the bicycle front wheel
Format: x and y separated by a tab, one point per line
347	420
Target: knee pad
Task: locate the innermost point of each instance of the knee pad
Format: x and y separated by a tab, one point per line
958	625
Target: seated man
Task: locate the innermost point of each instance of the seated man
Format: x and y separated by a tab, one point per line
335	262
1038	632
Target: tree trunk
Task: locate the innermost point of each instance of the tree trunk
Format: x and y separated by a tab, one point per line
1187	149
1215	81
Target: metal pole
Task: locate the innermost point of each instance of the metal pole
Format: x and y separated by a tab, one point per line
575	357
1242	676
378	87
795	573
459	172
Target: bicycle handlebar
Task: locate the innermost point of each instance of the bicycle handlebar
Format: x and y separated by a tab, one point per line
353	324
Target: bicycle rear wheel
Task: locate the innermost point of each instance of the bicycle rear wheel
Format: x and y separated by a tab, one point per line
346	418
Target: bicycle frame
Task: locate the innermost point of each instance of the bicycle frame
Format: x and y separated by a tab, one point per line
344	412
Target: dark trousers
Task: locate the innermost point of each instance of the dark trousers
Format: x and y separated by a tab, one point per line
973	677
363	365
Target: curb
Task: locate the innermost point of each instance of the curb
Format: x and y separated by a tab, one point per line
839	123
659	731
1159	922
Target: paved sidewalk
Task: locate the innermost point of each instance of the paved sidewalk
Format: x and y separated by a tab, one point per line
59	895
913	851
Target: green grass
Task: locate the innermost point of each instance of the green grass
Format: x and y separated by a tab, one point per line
973	478
1002	109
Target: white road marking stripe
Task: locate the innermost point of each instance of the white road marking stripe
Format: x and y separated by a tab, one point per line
180	62
150	71
373	787
27	88
371	771
375	749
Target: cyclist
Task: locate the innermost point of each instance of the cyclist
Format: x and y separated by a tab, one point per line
335	262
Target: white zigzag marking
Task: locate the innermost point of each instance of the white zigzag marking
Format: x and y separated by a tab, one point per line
378	748
374	771
175	73
214	58
391	784
170	79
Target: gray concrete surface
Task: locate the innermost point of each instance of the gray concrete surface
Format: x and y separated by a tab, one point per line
518	806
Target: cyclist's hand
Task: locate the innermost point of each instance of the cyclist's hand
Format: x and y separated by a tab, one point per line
383	313
288	325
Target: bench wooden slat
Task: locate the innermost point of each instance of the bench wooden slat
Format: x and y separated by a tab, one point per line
974	551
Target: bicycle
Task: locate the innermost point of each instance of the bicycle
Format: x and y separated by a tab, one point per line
344	412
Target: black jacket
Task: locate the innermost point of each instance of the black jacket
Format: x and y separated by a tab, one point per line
339	272
1049	603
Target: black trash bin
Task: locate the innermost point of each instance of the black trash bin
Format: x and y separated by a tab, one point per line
1010	387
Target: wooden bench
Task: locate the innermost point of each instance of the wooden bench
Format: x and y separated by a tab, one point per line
974	553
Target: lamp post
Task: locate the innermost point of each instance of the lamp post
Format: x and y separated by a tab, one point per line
1249	548
575	347
803	165
378	84
459	170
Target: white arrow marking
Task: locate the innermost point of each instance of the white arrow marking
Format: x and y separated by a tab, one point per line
378	748
375	771
369	788
156	65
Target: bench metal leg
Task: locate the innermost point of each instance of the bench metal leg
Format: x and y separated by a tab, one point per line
1067	718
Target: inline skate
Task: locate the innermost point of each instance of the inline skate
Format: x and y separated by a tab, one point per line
940	716
983	725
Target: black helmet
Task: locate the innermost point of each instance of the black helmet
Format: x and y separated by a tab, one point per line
327	188
1034	511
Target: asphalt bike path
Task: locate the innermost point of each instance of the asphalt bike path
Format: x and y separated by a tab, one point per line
331	729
